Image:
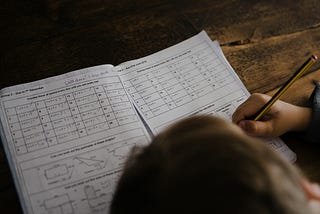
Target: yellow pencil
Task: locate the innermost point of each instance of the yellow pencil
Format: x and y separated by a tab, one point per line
284	88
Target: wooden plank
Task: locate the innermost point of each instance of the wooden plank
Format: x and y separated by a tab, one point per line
129	37
265	41
9	201
267	64
299	93
23	22
235	21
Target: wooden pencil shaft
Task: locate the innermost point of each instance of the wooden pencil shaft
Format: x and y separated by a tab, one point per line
284	88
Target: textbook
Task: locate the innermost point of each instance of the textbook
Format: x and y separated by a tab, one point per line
67	137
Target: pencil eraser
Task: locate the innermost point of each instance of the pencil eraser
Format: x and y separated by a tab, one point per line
314	57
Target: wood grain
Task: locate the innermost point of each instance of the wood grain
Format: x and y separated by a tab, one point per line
264	40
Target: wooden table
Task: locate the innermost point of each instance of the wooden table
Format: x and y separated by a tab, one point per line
265	41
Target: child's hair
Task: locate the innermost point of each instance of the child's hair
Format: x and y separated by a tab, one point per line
205	164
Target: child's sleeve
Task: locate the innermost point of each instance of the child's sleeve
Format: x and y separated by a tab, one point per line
313	132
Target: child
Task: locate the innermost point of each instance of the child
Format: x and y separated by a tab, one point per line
205	164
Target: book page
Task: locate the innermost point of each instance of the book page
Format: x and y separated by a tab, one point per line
67	138
192	77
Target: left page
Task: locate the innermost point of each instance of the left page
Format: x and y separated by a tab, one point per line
66	139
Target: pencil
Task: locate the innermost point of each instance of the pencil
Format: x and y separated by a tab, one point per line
284	88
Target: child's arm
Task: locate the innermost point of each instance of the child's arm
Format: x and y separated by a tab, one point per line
281	118
313	133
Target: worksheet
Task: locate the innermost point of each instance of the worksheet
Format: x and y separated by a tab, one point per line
67	137
192	77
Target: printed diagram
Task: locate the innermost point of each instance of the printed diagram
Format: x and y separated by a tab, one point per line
58	172
120	154
97	201
72	168
89	196
82	166
88	164
91	162
59	204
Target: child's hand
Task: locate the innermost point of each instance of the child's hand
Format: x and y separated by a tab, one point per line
281	118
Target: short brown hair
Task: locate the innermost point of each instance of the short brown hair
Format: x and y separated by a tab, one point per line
201	165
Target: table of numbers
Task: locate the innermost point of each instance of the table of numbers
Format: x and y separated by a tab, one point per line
178	83
63	118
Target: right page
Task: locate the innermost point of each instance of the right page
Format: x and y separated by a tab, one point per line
192	77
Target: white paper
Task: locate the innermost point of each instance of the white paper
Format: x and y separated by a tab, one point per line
192	77
67	137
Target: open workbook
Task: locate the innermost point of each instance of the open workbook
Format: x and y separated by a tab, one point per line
67	137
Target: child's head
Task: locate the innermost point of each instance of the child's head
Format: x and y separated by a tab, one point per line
205	164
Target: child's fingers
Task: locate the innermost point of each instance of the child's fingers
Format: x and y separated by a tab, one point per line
257	128
251	106
245	111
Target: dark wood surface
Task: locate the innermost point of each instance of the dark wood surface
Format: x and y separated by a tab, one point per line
264	40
